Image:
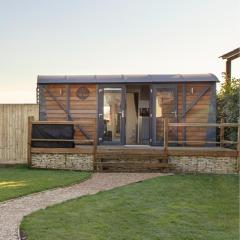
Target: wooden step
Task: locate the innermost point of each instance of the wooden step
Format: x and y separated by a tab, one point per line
124	159
133	167
126	156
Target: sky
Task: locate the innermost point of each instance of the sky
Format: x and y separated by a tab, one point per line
64	37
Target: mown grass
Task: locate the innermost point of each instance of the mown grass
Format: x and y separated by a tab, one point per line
18	181
180	207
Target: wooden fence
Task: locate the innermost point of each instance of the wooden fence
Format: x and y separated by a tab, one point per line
79	143
221	143
181	148
14	131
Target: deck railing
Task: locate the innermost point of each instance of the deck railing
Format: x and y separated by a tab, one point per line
78	124
222	125
167	125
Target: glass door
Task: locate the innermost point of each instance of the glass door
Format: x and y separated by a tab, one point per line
164	105
111	114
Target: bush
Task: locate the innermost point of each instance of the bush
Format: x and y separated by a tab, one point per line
228	105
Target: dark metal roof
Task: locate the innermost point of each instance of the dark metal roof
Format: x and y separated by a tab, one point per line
153	78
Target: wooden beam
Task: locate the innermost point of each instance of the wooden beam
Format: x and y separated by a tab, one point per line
29	144
62	140
95	148
165	135
199	152
195	101
82	149
42	104
234	57
210	142
83	132
231	124
228	70
68	101
61	122
238	144
211	131
230	142
231	53
184	136
238	149
203	124
142	164
222	133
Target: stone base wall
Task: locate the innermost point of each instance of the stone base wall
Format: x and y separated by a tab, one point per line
187	164
63	161
191	164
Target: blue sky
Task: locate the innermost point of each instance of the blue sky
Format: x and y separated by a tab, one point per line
112	37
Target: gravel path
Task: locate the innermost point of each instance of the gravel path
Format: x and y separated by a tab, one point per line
12	212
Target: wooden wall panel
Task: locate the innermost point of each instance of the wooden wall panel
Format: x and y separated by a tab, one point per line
198	114
13	131
79	110
180	99
87	109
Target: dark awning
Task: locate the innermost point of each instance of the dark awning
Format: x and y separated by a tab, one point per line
152	78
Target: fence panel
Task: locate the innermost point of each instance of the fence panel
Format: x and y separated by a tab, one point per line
14	131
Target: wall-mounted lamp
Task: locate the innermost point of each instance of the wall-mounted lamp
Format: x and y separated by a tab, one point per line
192	90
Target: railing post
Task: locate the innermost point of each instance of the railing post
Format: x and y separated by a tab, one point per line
165	135
238	141
238	148
29	142
95	149
222	133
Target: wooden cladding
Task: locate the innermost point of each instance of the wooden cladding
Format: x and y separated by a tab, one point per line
60	102
194	104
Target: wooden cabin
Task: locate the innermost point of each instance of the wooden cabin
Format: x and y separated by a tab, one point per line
129	109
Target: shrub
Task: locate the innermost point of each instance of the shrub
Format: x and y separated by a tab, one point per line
228	105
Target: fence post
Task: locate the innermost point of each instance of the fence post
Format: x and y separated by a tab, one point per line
95	149
29	144
222	133
238	148
238	140
165	135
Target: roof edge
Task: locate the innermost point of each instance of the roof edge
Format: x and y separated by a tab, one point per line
128	78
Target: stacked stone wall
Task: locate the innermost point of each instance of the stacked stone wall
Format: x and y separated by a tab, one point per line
222	165
63	161
186	164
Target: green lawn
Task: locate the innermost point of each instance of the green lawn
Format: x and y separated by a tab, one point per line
186	207
19	181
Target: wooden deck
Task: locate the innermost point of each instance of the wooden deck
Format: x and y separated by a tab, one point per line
142	150
172	151
138	158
